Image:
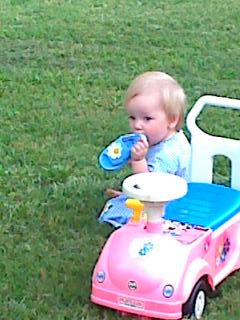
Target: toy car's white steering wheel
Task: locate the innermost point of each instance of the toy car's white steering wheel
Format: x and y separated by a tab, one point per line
155	187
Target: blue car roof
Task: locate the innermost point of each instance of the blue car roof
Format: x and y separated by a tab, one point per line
205	205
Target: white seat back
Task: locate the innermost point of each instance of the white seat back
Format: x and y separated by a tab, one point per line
205	146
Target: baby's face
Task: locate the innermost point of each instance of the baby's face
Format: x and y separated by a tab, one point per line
146	115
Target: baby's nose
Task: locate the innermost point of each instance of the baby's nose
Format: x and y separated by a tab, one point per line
138	125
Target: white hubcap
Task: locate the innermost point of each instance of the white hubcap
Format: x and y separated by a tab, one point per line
199	304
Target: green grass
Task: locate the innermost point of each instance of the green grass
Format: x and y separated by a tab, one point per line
64	66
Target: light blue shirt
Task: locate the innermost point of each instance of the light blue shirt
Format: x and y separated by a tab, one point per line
171	156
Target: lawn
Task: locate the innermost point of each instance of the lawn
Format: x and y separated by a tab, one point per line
64	67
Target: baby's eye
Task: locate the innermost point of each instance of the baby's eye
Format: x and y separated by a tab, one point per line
148	118
131	117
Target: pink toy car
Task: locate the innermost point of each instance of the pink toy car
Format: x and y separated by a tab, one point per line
182	240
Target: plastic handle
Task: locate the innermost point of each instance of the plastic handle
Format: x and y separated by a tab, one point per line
137	208
208	100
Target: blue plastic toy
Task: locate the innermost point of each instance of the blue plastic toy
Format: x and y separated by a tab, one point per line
116	155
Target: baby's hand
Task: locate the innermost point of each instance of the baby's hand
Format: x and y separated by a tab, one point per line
139	150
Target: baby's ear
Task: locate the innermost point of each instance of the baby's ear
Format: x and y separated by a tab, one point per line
173	121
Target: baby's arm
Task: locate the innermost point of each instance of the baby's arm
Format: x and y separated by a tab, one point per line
138	157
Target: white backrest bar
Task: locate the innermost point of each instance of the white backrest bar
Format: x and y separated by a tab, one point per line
206	146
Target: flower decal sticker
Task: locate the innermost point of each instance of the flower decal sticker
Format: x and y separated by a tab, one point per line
222	251
142	247
114	151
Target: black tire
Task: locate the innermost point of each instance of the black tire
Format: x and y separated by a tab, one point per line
196	303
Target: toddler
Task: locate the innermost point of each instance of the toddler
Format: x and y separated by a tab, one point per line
155	105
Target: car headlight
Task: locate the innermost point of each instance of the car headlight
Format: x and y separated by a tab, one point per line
168	291
100	276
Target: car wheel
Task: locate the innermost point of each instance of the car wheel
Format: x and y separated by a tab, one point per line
196	303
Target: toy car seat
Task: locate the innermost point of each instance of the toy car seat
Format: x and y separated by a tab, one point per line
205	204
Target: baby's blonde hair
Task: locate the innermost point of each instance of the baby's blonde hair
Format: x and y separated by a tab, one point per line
171	93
